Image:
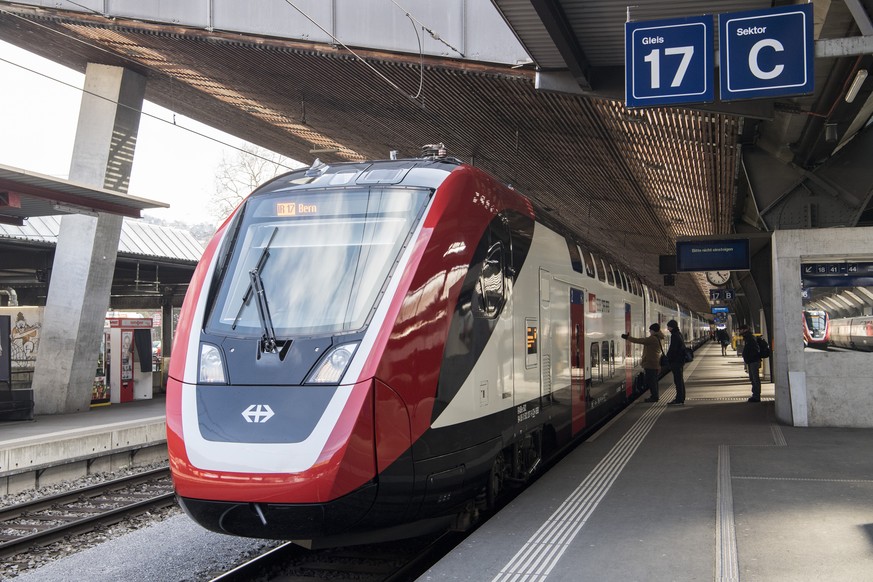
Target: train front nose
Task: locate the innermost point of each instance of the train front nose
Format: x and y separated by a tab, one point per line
283	520
275	462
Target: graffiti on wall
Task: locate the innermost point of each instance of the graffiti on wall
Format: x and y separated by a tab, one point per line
24	336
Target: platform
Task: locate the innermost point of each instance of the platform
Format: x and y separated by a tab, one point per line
712	490
54	448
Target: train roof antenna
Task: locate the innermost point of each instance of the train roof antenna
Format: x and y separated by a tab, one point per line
316	169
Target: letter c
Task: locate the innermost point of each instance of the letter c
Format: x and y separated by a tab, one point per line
753	59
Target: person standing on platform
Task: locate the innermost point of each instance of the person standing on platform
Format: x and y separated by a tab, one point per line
676	361
752	358
723	339
651	360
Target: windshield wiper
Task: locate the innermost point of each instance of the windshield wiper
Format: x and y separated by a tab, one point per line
256	285
268	341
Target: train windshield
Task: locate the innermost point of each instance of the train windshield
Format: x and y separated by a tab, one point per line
318	259
815	321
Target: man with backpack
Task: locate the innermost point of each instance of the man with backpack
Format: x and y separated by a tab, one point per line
752	357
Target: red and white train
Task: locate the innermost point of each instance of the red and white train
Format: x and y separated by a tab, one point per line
853	333
816	328
376	349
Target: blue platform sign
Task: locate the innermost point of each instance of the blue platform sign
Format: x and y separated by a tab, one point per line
721	294
669	61
766	53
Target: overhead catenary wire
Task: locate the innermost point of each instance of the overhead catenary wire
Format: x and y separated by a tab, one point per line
356	55
91	10
145	114
135	62
434	35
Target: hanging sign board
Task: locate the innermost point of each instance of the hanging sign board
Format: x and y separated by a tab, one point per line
669	61
712	255
766	53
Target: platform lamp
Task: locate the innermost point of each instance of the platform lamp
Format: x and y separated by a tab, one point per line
860	77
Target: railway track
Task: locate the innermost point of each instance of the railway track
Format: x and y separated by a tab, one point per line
399	561
43	521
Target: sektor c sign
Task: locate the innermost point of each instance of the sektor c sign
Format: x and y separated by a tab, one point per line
766	53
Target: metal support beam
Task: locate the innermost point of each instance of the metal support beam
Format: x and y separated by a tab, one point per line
556	24
862	19
843	47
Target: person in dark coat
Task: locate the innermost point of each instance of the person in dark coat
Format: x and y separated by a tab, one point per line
752	358
724	339
676	361
651	360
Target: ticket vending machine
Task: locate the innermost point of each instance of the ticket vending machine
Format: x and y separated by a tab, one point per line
130	359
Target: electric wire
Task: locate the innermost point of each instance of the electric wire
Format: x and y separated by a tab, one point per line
434	35
356	55
91	10
146	114
305	15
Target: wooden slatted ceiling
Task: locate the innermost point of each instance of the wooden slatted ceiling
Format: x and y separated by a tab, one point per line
628	182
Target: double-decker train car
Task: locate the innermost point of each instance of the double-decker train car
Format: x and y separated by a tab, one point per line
377	349
853	333
816	329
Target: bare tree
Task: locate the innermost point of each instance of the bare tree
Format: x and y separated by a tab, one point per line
239	174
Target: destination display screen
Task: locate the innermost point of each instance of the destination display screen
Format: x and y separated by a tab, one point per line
712	255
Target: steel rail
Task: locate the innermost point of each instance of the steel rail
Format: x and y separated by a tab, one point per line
92	494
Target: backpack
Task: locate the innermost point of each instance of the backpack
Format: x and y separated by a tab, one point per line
640	383
763	347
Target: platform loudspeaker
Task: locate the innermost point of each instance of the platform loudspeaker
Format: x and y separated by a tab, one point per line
666	264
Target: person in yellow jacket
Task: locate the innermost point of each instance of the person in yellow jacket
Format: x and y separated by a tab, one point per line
651	360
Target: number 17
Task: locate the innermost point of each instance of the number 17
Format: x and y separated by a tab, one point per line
654	58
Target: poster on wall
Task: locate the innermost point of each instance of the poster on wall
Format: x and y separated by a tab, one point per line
127	355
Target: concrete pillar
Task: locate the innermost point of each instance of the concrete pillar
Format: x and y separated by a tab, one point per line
84	264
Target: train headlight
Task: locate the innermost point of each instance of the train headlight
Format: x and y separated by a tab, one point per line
211	365
333	364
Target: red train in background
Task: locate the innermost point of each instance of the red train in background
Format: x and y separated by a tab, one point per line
852	333
374	350
816	329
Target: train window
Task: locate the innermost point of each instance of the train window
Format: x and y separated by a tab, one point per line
596	370
601	270
575	256
490	287
589	264
611	356
604	355
610	276
624	284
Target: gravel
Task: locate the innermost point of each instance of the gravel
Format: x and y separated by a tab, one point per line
155	546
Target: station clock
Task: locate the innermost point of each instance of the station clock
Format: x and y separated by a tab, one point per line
718	277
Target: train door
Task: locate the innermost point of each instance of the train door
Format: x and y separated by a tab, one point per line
628	356
545	336
577	352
